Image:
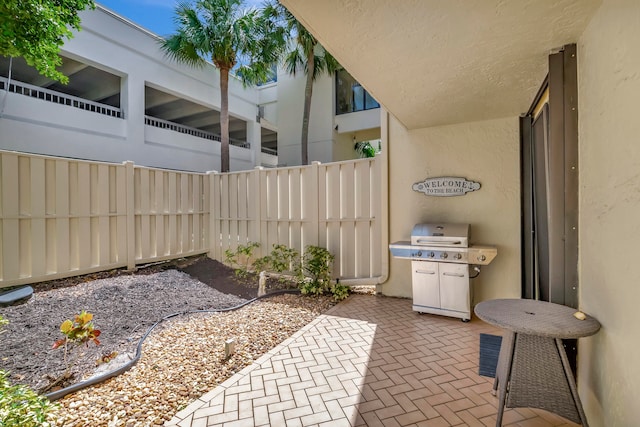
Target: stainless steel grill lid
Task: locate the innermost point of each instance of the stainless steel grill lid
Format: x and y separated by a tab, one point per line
441	235
443	242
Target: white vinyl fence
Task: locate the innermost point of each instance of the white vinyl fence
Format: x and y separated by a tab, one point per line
335	206
63	217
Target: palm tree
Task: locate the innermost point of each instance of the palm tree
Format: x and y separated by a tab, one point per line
304	53
223	31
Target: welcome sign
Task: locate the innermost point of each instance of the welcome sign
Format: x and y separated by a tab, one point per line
446	186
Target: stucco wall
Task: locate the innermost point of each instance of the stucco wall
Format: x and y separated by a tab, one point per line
609	90
290	109
487	152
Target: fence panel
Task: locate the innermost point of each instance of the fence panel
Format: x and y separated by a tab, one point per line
63	217
59	217
233	211
334	206
171	214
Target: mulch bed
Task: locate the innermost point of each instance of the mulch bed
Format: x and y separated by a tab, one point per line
225	280
200	267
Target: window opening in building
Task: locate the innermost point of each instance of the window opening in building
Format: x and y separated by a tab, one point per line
351	96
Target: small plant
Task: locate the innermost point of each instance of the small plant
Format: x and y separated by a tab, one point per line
78	332
22	407
312	288
366	149
316	266
282	259
339	291
240	259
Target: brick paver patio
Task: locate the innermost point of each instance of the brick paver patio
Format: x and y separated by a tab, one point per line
369	361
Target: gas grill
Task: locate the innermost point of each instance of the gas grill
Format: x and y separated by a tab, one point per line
440	256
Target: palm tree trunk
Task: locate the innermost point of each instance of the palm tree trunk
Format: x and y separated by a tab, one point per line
308	91
224	119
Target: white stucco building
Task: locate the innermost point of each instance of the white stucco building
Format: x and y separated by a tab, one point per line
126	101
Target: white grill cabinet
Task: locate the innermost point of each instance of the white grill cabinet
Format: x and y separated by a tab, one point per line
441	288
440	256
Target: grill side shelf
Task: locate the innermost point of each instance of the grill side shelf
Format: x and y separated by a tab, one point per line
482	254
475	254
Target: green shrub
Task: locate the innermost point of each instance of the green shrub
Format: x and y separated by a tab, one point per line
311	288
317	264
281	260
240	259
315	275
339	291
22	407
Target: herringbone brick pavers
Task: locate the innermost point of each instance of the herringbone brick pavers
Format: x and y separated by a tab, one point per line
369	361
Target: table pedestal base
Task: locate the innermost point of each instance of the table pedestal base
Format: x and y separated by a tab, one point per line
534	372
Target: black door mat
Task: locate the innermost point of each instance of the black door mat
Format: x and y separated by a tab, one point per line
489	351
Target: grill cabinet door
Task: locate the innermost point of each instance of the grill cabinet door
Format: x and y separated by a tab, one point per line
454	287
426	288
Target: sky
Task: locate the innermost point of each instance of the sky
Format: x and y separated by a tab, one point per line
154	15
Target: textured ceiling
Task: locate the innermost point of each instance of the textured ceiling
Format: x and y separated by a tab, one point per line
435	62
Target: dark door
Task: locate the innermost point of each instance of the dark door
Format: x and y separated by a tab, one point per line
549	165
550	186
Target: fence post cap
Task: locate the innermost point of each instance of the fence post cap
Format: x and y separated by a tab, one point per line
212	172
259	168
315	162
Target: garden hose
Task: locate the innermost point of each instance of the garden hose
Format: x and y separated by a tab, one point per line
58	394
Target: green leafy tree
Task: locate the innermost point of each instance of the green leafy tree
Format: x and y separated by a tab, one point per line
36	29
303	53
221	31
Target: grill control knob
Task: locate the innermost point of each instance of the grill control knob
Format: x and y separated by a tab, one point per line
431	255
444	255
419	254
458	256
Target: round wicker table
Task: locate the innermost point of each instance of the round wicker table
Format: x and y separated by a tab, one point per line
533	369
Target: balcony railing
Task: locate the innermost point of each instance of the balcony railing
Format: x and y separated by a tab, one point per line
60	98
176	127
271	151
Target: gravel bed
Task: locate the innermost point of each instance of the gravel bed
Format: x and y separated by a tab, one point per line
124	307
185	359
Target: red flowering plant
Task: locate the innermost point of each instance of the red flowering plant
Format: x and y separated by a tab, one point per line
76	333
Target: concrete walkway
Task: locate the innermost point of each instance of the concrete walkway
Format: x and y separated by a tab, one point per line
369	361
